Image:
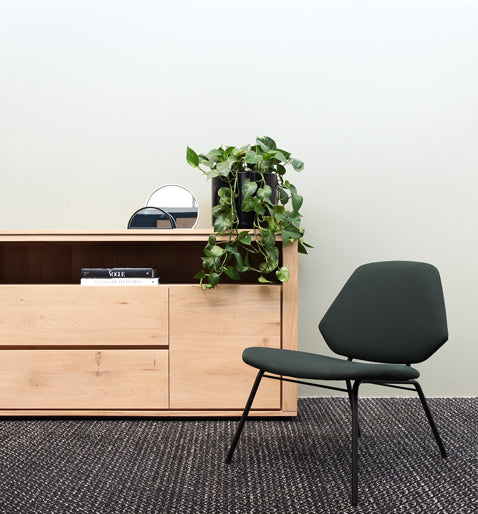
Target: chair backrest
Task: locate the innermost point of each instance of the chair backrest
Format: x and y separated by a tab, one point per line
388	312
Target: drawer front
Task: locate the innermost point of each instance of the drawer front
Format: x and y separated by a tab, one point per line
84	379
208	333
74	315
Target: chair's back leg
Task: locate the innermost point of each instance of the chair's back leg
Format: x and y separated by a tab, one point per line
355	434
430	418
244	415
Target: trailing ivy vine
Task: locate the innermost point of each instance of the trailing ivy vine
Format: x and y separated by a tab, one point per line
231	250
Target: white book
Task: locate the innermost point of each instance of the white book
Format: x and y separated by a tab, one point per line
119	281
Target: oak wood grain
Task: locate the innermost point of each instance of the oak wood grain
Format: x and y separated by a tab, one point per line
208	332
74	315
84	379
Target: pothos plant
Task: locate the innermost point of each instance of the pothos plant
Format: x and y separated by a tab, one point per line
231	250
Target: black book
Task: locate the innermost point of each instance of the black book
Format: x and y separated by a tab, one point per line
119	272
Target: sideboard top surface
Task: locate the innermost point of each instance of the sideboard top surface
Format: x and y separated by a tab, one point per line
105	235
121	235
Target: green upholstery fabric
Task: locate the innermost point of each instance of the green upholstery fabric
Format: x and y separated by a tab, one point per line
297	364
390	311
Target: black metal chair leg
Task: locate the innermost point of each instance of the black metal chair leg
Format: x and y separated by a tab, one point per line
244	415
355	432
349	391
430	418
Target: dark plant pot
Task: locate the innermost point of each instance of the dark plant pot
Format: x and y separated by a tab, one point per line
246	219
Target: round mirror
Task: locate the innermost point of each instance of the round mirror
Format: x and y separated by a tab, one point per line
151	217
177	201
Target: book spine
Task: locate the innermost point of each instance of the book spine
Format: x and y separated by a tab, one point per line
119	272
119	281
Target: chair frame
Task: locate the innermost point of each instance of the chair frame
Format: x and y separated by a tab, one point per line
352	391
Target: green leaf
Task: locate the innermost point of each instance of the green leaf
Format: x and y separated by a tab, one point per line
225	193
219	152
249	204
267	266
290	232
232	272
242	150
208	262
297	201
239	262
244	237
270	142
269	239
280	156
294	218
301	247
263	146
211	174
212	239
248	188
200	275
252	157
213	279
279	209
192	157
222	223
224	168
259	207
264	280
217	251
283	274
231	248
283	196
273	254
217	210
268	165
297	165
264	192
287	154
228	151
296	232
266	143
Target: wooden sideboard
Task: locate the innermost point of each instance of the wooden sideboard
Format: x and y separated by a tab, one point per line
167	350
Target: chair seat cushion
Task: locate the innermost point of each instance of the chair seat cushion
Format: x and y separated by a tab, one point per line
297	364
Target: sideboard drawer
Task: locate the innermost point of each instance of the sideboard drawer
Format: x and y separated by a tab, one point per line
84	379
74	315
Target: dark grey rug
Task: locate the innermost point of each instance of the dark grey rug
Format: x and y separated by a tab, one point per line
299	465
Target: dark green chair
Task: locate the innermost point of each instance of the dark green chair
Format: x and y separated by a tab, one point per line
391	314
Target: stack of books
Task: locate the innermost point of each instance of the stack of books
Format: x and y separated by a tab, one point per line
119	276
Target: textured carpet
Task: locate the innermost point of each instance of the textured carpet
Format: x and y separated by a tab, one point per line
299	465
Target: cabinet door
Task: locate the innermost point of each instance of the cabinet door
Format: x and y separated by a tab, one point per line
208	332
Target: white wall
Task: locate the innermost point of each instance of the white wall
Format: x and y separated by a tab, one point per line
98	100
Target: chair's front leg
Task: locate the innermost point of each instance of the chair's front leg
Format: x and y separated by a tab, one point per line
349	392
244	415
355	435
430	418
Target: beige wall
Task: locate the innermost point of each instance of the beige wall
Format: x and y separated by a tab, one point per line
98	101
